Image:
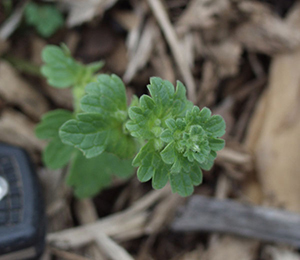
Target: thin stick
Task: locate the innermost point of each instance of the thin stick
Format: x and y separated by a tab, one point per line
227	216
161	15
111	248
66	255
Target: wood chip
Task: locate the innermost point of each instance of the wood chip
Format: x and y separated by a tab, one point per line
274	132
143	51
16	91
161	15
226	216
267	33
17	129
111	248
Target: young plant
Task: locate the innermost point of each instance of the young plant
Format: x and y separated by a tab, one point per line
166	136
45	18
87	177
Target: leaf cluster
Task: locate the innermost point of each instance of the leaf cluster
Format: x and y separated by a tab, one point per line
163	134
87	176
176	140
181	139
45	18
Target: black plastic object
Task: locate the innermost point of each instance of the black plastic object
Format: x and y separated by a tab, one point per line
22	217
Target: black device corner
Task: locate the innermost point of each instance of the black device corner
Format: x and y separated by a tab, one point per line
22	213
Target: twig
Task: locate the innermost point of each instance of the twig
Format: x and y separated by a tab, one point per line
227	216
111	248
12	22
160	13
66	255
120	225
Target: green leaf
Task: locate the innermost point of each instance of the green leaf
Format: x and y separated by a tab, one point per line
51	122
210	161
56	155
160	176
168	153
106	96
216	144
146	159
166	136
182	184
88	176
61	70
181	104
162	92
215	125
90	134
45	18
196	175
94	133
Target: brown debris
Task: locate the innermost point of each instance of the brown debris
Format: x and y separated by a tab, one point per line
17	91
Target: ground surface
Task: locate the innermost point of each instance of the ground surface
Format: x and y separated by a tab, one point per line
229	53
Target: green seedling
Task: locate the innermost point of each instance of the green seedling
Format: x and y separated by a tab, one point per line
46	19
163	134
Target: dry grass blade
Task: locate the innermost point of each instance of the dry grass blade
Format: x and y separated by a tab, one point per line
66	255
11	132
236	157
125	225
143	51
111	248
266	32
81	11
15	90
161	15
9	26
203	14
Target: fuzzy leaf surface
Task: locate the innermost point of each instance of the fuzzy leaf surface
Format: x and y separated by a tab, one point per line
100	128
45	18
57	154
89	176
62	71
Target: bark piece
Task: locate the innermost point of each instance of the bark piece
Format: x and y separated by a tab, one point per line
15	90
226	216
275	128
17	130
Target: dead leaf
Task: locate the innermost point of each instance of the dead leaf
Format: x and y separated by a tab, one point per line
15	90
274	132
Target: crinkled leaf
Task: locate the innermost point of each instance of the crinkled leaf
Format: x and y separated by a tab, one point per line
162	92
89	176
216	144
146	159
196	175
182	184
93	134
181	104
51	122
105	96
90	134
215	125
45	18
160	176
57	155
140	124
166	136
168	154
210	161
60	69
